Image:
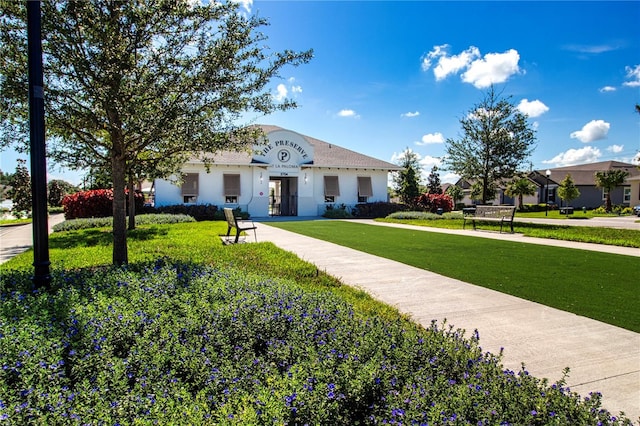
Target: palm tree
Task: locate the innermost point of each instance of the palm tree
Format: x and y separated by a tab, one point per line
609	180
520	186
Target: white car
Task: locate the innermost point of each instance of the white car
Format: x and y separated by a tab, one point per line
636	210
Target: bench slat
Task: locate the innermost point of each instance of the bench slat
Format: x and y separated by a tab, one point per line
500	214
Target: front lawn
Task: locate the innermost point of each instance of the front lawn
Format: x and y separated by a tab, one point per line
193	332
596	285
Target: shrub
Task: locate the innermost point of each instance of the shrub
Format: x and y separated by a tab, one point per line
377	209
94	203
433	202
200	212
414	215
105	222
337	212
165	343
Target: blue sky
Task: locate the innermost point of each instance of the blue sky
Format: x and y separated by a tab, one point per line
393	75
390	75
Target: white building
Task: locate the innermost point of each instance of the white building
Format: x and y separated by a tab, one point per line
288	175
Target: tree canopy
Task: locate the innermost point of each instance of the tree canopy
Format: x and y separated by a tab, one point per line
407	181
496	140
567	189
139	87
609	180
520	186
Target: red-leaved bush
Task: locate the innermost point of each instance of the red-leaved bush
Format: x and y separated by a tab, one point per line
94	203
433	202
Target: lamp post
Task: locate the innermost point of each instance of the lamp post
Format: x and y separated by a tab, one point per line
546	198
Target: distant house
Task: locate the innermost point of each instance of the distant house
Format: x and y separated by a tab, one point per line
583	176
289	174
628	194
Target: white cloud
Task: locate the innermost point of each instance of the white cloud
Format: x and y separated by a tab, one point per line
436	53
281	94
479	71
533	108
592	131
493	68
246	4
608	89
615	148
571	157
348	113
296	89
431	138
453	64
410	114
633	73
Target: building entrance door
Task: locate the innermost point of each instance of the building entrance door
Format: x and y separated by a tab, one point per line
283	196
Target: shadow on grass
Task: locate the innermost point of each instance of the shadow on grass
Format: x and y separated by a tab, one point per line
101	237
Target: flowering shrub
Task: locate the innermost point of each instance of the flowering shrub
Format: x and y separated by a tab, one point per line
94	203
433	202
184	344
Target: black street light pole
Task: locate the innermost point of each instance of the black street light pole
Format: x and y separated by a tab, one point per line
546	198
42	276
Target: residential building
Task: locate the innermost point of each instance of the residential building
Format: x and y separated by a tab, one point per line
286	174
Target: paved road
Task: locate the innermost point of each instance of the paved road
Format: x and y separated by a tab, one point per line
19	238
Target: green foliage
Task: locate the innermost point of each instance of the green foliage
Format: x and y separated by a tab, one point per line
609	180
455	192
377	210
105	222
434	185
496	140
57	189
407	180
337	212
179	343
567	190
20	192
519	187
143	90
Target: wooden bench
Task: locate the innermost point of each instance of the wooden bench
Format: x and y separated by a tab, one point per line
239	224
502	214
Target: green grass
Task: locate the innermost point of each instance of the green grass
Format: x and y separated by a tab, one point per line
195	242
593	284
585	234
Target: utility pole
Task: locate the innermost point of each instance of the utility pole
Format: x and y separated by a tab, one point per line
42	275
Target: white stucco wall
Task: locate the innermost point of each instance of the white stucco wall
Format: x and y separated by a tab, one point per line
254	181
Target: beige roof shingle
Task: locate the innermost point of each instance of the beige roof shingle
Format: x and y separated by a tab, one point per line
325	155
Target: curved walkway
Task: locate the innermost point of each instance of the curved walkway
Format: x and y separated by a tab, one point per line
601	357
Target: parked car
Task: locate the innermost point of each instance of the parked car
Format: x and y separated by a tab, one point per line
636	210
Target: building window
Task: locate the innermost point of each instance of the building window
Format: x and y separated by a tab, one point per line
231	185
190	188
331	189
605	192
627	195
365	189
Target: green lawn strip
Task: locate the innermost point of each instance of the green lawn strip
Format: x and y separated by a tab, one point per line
596	285
585	234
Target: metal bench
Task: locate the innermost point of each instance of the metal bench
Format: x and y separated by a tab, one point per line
239	224
502	214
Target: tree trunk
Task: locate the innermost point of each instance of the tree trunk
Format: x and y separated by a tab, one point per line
132	205
120	255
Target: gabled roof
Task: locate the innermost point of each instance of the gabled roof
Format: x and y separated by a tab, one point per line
325	155
583	174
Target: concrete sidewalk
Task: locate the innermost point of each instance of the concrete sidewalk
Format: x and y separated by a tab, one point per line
601	357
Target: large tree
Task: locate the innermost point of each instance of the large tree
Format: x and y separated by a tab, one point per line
609	180
140	86
496	139
20	192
